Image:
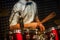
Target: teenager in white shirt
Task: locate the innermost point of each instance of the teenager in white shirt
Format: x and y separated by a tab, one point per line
28	10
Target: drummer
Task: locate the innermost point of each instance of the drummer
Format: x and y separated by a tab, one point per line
27	10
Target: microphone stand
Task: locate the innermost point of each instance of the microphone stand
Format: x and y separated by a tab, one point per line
21	24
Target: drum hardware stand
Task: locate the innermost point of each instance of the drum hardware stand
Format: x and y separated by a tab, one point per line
52	36
10	35
27	34
35	37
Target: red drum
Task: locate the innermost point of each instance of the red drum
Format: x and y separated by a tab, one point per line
17	35
54	31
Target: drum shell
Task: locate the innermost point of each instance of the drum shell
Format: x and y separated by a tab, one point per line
55	32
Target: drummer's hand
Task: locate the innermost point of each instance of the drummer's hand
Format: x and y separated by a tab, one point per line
41	26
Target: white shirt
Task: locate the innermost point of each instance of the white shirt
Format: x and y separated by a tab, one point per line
27	12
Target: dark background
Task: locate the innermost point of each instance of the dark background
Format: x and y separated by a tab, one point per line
44	9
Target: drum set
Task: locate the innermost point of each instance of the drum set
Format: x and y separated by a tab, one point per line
34	34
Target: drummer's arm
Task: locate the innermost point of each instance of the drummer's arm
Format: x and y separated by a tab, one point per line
39	23
50	16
